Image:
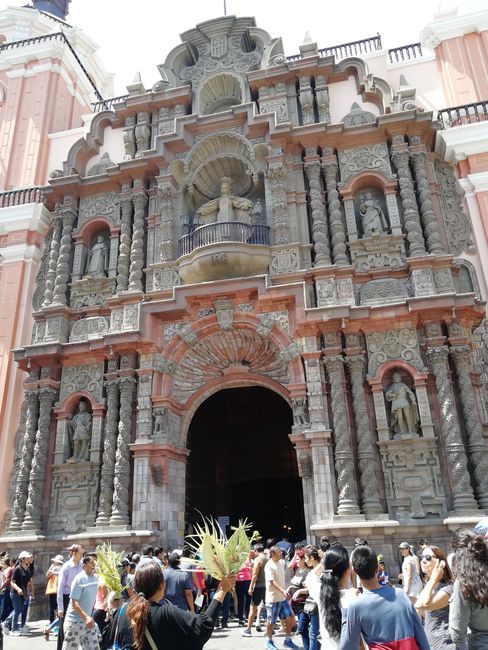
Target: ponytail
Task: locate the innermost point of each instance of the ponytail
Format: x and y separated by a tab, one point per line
147	580
138	611
336	563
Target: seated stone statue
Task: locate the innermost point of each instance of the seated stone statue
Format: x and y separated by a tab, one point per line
97	261
404	414
373	220
226	207
79	428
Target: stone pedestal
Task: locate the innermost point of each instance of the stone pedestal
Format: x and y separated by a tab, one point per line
73	498
378	252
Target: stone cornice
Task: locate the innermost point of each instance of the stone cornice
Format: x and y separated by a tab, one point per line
449	25
459	142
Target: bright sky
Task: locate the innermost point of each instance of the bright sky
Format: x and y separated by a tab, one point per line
136	36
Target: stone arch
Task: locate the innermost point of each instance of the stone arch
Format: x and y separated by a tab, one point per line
466	280
87	230
85	148
67	406
367	178
371	88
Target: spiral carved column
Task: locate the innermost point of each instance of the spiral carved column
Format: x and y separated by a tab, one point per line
413	227
60	296
53	260
336	223
366	453
166	198
477	449
33	510
120	504
137	247
343	457
429	220
22	486
457	463
320	234
109	454
124	243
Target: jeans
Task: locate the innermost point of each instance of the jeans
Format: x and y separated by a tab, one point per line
308	628
53	607
243	598
226	608
21	606
7	605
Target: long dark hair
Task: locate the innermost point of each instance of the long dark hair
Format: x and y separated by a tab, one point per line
147	580
472	567
440	555
336	563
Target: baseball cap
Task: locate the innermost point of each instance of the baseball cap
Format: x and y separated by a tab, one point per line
404	545
23	555
59	559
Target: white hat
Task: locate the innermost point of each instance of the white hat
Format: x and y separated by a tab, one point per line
59	559
24	555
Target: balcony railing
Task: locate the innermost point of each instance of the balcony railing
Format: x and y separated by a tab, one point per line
405	53
354	48
466	114
225	231
19	197
107	104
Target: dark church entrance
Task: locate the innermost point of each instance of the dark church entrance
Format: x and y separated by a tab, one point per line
242	463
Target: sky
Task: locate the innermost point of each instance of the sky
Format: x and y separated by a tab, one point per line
136	36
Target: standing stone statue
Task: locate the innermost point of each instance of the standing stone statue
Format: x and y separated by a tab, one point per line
97	262
256	212
79	428
404	414
300	411
372	217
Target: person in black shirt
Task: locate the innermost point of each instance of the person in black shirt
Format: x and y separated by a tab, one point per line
144	618
19	584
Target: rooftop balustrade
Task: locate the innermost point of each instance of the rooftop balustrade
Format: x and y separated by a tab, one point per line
465	114
20	197
405	53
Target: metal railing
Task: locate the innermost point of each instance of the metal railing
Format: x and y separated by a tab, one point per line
107	104
354	48
225	231
54	36
19	197
466	114
405	53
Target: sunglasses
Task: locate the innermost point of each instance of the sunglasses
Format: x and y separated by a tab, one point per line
427	557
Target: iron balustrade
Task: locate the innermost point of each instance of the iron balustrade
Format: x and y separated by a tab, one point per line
405	52
466	114
19	197
224	231
363	46
107	104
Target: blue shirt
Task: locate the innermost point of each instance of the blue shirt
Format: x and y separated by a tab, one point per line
84	590
176	582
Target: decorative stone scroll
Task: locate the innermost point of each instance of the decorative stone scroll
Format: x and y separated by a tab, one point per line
393	345
87	377
166	203
458	226
106	204
285	260
388	290
272	99
322	99
94	327
276	179
142	134
358	159
306	100
415	236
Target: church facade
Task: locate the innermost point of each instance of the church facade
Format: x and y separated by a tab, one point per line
259	294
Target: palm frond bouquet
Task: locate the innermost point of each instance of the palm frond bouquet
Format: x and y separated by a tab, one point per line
221	556
107	568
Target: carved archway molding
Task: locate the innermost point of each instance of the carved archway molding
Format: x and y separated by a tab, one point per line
68	405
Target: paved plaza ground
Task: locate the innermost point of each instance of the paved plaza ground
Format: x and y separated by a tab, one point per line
228	639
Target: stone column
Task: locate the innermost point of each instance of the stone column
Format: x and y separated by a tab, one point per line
129	138
120	505
323	474
33	511
477	449
415	236
429	220
336	224
22	486
320	234
53	261
366	452
137	247
125	240
68	214
166	201
343	456
109	450
276	178
457	463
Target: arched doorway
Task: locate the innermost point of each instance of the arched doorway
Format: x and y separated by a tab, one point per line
242	463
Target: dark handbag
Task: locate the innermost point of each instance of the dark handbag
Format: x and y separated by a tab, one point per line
310	607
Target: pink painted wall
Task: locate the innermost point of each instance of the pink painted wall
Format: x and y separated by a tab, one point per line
463	62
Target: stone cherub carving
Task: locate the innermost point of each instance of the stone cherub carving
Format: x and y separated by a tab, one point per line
404	413
226	207
161	421
373	219
300	411
79	429
97	261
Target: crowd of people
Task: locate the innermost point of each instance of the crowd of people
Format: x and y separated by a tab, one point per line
317	596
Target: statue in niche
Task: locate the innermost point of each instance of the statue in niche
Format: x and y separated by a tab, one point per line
226	207
404	413
373	220
97	261
256	212
300	411
161	421
79	429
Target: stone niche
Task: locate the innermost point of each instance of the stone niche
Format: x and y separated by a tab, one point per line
73	498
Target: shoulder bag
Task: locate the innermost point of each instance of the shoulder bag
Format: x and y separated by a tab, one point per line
150	639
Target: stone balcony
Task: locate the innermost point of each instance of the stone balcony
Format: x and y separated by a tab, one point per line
228	249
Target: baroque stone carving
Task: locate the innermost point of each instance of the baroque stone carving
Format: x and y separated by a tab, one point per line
125	239
285	260
394	344
373	219
97	260
276	177
109	449
378	252
336	223
357	117
101	166
79	428
106	204
404	412
382	291
85	329
415	236
68	215
320	234
429	220
87	377
224	313
167	228
457	224
137	246
41	277
120	505
322	99
357	159
300	412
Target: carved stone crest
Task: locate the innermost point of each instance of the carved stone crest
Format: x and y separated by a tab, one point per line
395	344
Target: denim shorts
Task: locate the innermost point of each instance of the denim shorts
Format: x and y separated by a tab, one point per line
278	610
